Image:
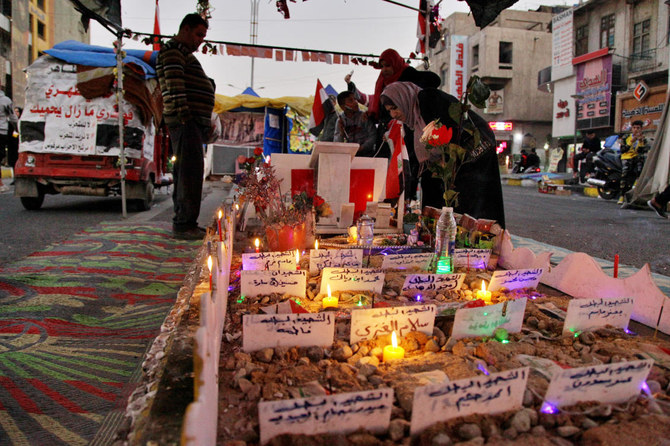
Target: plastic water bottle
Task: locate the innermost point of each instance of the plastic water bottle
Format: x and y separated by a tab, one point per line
445	242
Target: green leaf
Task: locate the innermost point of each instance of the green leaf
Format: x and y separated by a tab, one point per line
479	92
455	111
451	197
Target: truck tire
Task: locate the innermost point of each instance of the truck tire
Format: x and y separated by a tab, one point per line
33	203
144	204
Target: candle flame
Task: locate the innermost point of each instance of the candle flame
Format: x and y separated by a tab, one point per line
209	263
220	214
297	256
483	287
394	340
257	243
237	207
328	286
316	244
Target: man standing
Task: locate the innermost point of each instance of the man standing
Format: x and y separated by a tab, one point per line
631	164
188	101
354	125
7	122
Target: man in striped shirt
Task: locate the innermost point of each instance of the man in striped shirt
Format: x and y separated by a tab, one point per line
188	101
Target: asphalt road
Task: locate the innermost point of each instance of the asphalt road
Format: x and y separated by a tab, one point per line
591	225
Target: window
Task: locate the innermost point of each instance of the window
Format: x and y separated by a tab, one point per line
607	31
6	8
41	30
475	55
40	4
31	23
582	40
641	36
444	72
505	53
5	44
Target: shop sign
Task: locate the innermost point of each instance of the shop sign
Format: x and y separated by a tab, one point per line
594	85
648	110
501	126
641	91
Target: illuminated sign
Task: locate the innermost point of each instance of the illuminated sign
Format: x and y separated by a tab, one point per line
501	147
501	126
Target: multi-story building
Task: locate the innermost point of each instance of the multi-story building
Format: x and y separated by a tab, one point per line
27	28
609	68
506	54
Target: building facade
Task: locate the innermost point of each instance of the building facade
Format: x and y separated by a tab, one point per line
507	55
27	29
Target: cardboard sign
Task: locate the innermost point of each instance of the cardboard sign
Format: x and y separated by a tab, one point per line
515	278
586	314
352	279
430	284
340	258
605	383
287	330
256	283
64	134
276	260
406	261
341	413
472	258
545	367
495	393
373	322
483	321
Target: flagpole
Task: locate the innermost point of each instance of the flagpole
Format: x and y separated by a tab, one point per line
253	34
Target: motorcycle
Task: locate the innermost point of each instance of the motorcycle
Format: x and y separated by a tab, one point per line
607	175
526	165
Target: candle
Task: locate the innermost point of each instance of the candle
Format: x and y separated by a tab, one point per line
316	244
209	265
297	259
616	266
330	301
220	233
257	244
483	294
393	352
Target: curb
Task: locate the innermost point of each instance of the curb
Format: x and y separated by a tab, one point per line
587	191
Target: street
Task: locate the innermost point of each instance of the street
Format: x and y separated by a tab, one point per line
597	227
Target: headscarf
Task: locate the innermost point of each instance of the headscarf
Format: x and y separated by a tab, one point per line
392	58
405	96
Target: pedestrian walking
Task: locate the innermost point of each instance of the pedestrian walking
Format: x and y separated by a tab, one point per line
188	101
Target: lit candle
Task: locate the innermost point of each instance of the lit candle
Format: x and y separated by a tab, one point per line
483	294
330	301
393	352
297	259
220	233
209	265
316	244
257	244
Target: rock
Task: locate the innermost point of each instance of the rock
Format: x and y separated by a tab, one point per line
528	398
376	380
372	360
397	428
304	360
367	370
547	420
510	433
377	352
439	334
521	421
233	443
239	374
315	354
654	386
460	349
355	347
578	346
312	388
532	321
558	441
280	352
468	431
343	353
603	411
363	350
567	431
538	431
362	378
324	363
432	346
441	439
588	423
362	439
244	384
586	357
405	396
265	300
264	355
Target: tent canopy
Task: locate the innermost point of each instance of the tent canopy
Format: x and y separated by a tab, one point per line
302	106
250	91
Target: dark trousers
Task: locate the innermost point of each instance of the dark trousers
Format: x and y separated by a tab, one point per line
663	197
630	170
187	147
4	145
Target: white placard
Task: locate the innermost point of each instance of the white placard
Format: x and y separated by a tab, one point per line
374	322
274	260
352	279
605	383
341	413
586	314
65	134
515	278
495	393
429	284
545	367
256	283
483	321
287	330
472	258
406	261
339	258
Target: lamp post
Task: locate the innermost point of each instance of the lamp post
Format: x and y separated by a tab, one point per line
576	97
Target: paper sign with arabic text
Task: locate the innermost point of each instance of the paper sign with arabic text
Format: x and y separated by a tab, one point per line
483	321
587	314
352	279
515	278
287	330
257	283
275	260
407	261
373	322
472	258
340	258
431	284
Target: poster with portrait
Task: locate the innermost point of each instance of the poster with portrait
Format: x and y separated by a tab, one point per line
242	129
494	104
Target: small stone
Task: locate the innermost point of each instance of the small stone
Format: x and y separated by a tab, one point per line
239	374
578	346
304	360
377	352
363	350
230	364
441	439
586	357
547	420
588	423
500	334
439	334
362	378
355	347
603	411
367	370
375	380
538	431
567	431
510	433
521	421
558	441
532	321
323	363
231	443
343	353
654	386
315	354
280	352
244	384
432	346
372	360
587	338
528	397
265	300
397	428
264	355
468	431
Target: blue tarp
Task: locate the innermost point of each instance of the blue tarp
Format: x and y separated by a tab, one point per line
250	92
80	53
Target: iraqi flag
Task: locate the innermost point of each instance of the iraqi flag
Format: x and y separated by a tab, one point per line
321	108
157	30
396	175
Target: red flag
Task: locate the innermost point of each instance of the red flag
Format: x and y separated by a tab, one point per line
305	56
421	28
234	50
279	55
320	109
398	165
337	58
288	54
157	30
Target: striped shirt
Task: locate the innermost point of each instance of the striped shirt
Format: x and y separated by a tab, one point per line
187	91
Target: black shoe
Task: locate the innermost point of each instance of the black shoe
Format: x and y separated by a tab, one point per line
659	211
189	234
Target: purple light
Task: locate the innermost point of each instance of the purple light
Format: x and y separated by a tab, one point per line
483	369
627	331
645	388
418	297
231	287
548	408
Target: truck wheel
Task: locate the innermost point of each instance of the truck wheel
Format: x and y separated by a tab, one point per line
144	204
33	203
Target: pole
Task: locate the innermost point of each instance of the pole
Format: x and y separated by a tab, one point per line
253	34
119	105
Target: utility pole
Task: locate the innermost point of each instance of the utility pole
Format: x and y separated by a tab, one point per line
253	34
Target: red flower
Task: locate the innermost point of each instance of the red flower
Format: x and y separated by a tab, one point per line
258	151
251	160
318	201
443	135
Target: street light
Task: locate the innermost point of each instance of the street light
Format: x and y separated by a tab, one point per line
576	97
